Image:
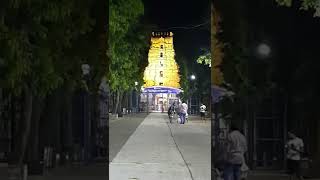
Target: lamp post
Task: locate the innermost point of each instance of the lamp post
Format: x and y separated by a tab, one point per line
192	78
136	96
263	50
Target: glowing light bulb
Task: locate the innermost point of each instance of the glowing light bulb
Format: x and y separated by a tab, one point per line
264	49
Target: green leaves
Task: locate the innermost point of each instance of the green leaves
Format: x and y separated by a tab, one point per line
44	43
128	43
309	4
16	54
184	81
305	5
122	15
284	2
205	58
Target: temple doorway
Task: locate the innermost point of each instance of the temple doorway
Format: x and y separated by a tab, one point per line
158	99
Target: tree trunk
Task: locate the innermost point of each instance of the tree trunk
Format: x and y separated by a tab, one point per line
131	100
36	115
120	102
96	119
32	152
57	121
27	118
114	100
16	171
124	101
52	132
69	141
67	120
117	104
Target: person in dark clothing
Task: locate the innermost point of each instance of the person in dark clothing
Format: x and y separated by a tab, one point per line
294	149
171	112
237	146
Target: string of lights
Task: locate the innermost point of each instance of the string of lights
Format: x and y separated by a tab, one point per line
185	27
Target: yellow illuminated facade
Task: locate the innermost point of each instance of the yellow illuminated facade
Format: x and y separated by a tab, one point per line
162	69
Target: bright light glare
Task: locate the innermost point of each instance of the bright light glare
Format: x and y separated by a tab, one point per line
264	49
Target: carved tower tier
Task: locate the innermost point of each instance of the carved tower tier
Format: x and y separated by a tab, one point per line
162	69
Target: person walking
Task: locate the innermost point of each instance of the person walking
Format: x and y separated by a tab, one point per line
171	112
203	112
236	148
183	112
294	148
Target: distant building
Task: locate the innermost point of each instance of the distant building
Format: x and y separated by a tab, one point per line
161	76
162	69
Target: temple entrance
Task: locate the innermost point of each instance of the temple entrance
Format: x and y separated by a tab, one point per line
158	99
160	102
161	76
163	101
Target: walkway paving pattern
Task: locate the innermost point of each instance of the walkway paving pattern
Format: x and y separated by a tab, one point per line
150	148
161	151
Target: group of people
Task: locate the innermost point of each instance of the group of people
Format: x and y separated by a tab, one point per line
234	165
183	111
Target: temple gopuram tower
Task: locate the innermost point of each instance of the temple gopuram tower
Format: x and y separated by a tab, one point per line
162	69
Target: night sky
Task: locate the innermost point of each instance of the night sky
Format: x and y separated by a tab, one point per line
172	13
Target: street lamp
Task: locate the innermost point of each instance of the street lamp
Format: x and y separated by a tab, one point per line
264	50
193	77
136	97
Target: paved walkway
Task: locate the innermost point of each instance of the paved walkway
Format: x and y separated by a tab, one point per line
268	175
120	130
159	151
96	171
3	171
91	172
193	140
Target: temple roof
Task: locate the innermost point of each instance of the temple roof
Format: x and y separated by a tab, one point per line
161	34
161	89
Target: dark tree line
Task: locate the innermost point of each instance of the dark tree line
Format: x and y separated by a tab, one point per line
286	76
43	45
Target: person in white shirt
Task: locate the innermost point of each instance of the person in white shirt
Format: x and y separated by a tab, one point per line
294	149
203	111
237	147
183	111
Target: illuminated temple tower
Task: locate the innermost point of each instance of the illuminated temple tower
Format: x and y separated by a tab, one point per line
161	76
162	69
